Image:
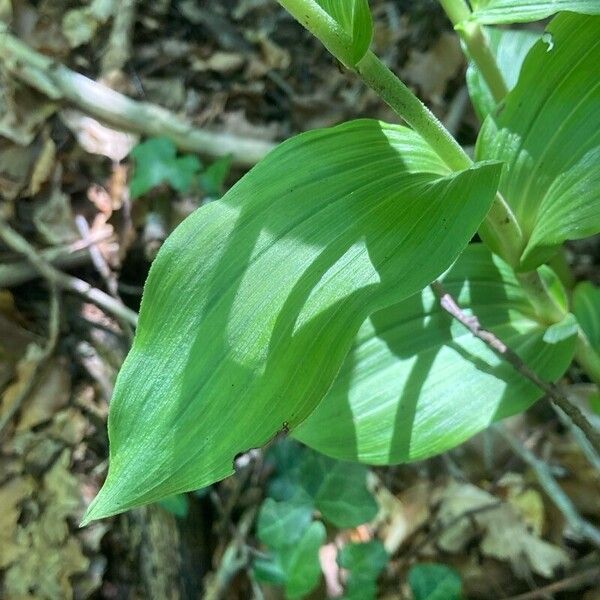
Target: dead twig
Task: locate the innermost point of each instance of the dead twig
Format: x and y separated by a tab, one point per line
67	282
580	526
103	269
66	256
63	85
573	582
39	360
471	322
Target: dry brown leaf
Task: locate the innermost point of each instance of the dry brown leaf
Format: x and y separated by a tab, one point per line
399	517
43	167
12	495
431	71
505	535
96	138
50	393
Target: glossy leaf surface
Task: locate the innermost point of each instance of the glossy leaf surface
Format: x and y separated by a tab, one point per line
417	383
253	302
522	11
510	47
548	135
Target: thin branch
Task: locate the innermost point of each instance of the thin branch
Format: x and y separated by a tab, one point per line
65	256
63	85
471	322
67	282
574	582
38	360
542	472
104	270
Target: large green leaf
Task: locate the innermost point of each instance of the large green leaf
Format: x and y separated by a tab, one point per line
417	383
521	11
253	302
510	47
355	18
548	133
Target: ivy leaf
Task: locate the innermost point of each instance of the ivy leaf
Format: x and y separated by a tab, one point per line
418	383
338	489
282	523
547	136
521	11
156	162
253	302
295	566
430	581
364	563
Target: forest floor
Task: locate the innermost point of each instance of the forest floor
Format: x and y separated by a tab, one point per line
243	71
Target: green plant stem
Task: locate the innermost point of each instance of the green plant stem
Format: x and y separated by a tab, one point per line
500	229
406	105
477	45
539	295
322	25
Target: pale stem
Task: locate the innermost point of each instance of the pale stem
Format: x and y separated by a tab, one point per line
477	45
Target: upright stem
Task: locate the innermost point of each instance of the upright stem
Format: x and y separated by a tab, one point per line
397	95
477	45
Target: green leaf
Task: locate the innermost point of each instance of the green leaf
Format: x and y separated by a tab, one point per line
586	306
156	162
253	302
521	11
282	523
364	563
355	18
213	177
563	330
269	570
338	489
300	561
417	383
176	505
509	47
547	133
430	581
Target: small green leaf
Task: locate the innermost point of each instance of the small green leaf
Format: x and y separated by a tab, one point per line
269	570
253	302
355	18
521	11
547	134
156	162
509	47
563	330
213	177
418	383
586	306
176	505
339	490
430	581
300	561
364	563
282	523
